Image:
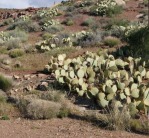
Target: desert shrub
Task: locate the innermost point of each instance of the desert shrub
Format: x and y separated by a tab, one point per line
46	36
55	96
26	25
106	8
118	118
85	39
13	39
54	29
114	10
13	43
21	35
3	50
61	50
16	53
68	22
111	41
116	22
64	112
69	14
5	110
139	41
42	109
140	126
88	22
70	9
7	22
5	83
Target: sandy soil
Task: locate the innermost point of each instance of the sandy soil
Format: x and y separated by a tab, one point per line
57	128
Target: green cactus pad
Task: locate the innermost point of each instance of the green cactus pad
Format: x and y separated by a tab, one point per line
74	81
135	93
71	74
103	103
80	73
94	91
122	96
127	91
121	86
113	68
63	72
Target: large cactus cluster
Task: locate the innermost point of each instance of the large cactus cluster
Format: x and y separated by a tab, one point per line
50	23
4	37
48	13
82	36
103	7
128	30
25	17
53	42
104	78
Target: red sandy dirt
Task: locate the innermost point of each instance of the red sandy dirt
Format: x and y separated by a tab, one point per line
58	128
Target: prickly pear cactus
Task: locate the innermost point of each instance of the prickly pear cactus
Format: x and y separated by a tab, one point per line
104	77
53	42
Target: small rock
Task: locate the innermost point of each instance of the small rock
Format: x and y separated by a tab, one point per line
15	90
28	88
16	77
33	76
140	16
26	77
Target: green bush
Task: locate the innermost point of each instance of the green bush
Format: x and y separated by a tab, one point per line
19	34
54	29
64	112
7	22
68	22
88	22
111	41
114	10
139	42
70	9
116	22
16	53
27	25
5	83
13	43
140	126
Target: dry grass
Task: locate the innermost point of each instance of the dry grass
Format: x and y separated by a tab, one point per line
33	61
111	41
44	105
118	119
5	83
6	109
42	109
37	61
